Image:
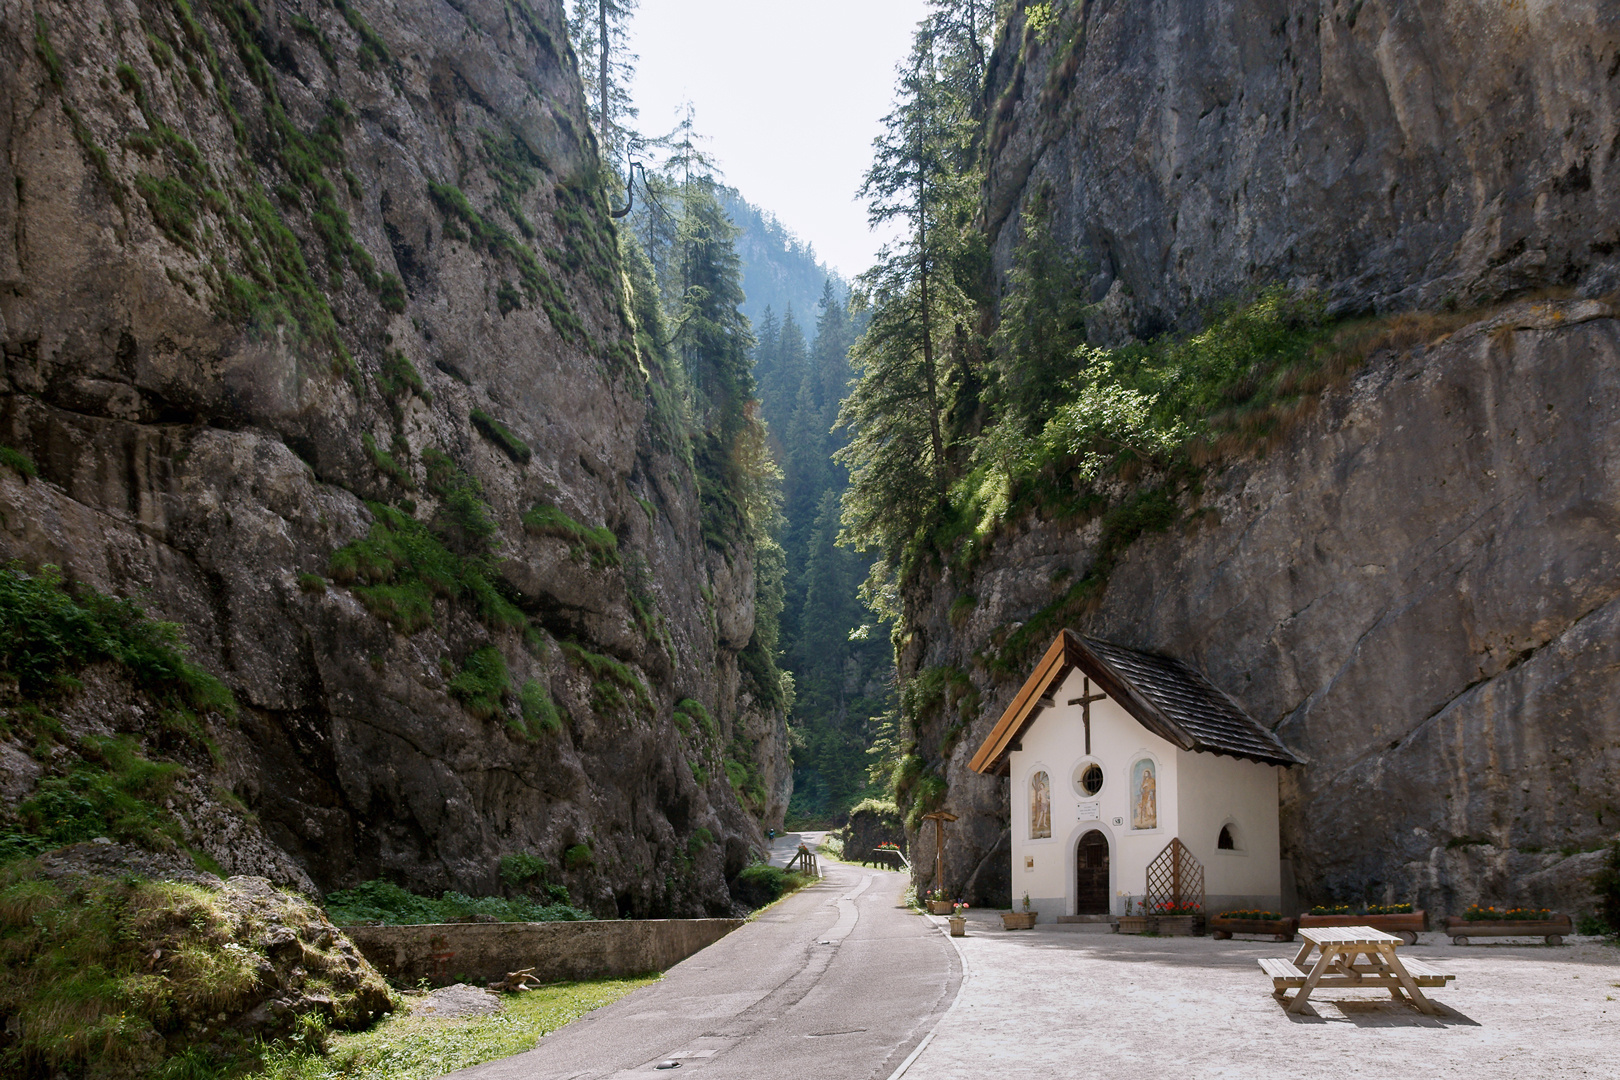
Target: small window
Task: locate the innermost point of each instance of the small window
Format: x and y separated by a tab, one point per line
1224	842
1091	779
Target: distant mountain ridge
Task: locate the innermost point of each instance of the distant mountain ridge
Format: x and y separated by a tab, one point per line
779	269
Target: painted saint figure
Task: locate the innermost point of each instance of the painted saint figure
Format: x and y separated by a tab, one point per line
1144	788
1040	806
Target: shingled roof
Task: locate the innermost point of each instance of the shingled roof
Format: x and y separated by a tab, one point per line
1169	698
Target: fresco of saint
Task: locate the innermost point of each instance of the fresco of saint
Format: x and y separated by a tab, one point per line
1145	796
1040	806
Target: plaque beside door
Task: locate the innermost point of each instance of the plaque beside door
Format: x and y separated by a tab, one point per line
1088	811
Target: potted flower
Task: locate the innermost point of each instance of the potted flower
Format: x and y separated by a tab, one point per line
1479	921
958	920
1019	920
1399	919
937	903
1252	921
1179	918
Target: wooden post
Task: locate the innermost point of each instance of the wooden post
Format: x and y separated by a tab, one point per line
939	818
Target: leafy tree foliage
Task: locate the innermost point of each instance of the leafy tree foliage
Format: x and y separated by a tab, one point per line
600	30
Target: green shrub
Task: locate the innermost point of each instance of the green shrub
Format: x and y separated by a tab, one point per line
385	462
116	793
689	712
499	434
312	583
50	633
391	292
578	857
762	884
482	683
385	903
398	376
699	841
612	678
464	518
18	462
517	869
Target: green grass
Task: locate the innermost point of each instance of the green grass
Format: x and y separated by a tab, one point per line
501	435
482	683
599	544
612	680
401	565
387	904
398	376
402	1048
386	463
18	462
538	711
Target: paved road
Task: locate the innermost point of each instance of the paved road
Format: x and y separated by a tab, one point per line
837	982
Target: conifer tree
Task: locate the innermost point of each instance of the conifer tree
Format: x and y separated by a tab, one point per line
600	31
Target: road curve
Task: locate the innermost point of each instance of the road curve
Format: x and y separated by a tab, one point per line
838	982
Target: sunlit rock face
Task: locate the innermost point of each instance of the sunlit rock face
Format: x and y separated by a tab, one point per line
218	231
1416	587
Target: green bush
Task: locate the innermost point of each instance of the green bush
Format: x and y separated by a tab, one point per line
385	903
116	793
49	633
762	884
578	857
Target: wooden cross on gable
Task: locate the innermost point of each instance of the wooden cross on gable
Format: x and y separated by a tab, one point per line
1085	708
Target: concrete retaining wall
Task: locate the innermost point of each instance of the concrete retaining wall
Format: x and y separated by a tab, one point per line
483	952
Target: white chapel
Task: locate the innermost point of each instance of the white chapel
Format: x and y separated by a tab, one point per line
1111	753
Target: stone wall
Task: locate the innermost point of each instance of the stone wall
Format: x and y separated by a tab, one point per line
558	951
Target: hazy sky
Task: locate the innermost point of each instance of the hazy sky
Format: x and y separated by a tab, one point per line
791	93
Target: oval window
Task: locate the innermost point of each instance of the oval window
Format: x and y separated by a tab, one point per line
1091	778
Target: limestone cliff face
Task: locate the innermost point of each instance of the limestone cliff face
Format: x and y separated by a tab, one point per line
1417	588
259	265
1394	154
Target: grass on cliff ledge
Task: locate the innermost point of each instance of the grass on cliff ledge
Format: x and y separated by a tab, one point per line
410	1048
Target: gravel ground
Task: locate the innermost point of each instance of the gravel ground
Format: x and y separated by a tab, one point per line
1067	1001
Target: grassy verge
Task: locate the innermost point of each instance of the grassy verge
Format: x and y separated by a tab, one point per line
405	1048
761	885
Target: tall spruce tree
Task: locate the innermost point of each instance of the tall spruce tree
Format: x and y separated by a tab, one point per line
600	31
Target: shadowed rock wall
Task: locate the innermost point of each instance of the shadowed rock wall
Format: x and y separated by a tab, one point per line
221	228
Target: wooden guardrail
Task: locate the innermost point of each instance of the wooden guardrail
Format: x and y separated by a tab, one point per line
805	860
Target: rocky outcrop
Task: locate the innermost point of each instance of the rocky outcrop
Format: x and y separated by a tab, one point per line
1415	586
266	269
1395	155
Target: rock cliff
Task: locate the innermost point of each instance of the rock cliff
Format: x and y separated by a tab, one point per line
1396	155
316	331
1415	587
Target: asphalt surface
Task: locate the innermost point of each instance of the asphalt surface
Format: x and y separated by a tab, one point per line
837	982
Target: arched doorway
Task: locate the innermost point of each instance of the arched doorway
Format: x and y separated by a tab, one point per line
1091	875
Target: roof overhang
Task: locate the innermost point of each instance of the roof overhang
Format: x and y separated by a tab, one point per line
1068	652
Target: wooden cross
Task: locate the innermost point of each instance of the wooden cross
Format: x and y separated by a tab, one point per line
939	818
1085	708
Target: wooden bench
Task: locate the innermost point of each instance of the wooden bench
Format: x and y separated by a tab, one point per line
1283	973
1426	974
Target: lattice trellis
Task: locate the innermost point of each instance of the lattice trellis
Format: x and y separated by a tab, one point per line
1175	878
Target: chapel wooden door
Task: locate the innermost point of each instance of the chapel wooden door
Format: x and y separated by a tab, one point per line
1091	875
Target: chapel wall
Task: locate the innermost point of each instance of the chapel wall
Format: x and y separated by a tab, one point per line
1217	790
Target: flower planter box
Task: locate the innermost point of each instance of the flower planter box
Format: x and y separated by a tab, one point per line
1181	925
939	907
958	926
1280	929
1552	930
1137	924
1018	920
1407	927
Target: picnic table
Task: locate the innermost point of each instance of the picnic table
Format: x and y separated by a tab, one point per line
1340	948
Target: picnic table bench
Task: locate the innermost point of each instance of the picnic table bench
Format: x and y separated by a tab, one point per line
1337	965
